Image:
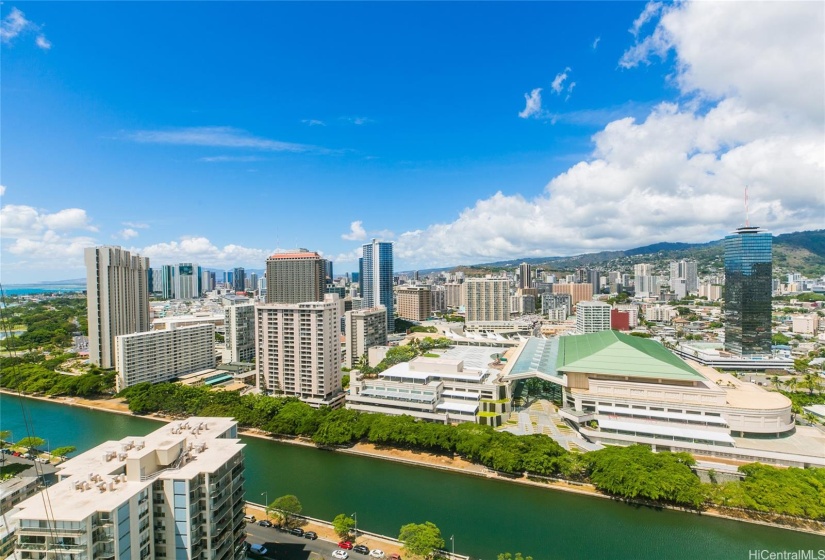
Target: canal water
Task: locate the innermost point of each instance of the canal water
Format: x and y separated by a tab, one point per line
486	516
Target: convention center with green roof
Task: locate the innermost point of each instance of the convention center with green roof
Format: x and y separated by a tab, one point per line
620	389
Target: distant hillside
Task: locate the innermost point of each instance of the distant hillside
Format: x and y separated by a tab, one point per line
802	251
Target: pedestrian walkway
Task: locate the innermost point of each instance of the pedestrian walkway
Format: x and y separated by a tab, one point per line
542	418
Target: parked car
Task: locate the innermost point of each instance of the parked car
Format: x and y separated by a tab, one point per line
265	523
377	553
347	545
395	557
16	453
258	549
311	535
360	549
340	554
298	532
249	518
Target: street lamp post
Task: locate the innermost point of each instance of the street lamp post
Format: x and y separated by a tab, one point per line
355	517
452	540
266	502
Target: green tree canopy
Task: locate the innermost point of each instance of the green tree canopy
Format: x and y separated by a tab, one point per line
343	525
31	442
285	508
421	539
63	451
508	556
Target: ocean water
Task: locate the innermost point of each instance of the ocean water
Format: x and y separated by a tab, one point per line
33	289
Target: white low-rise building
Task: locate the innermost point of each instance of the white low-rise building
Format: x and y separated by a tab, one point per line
458	386
177	493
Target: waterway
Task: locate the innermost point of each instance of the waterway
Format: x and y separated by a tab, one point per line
486	516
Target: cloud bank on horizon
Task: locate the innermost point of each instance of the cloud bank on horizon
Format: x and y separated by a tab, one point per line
750	113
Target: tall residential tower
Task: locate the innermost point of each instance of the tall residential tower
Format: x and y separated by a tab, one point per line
117	294
295	277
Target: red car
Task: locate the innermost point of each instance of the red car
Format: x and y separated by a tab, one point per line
347	545
395	557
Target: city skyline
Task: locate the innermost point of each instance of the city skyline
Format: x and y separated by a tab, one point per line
572	131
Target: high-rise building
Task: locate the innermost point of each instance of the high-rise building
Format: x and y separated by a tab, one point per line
377	278
298	350
185	281
117	294
525	273
239	279
414	302
595	277
239	324
578	291
295	277
488	299
253	282
748	275
438	298
684	273
175	493
207	283
455	294
555	301
156	281
167	283
592	316
365	328
328	270
161	355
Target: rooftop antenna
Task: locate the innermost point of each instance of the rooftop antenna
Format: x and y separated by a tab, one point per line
747	213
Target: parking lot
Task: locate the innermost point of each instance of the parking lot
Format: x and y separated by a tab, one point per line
285	546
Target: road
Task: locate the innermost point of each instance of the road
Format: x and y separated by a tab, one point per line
285	546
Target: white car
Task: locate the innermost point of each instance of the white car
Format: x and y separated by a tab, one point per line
377	553
340	554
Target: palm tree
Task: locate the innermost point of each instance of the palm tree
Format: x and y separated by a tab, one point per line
791	384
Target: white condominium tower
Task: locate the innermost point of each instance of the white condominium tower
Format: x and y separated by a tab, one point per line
298	349
592	316
488	299
175	494
117	295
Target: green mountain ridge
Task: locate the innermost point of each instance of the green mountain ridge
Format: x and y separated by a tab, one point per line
802	252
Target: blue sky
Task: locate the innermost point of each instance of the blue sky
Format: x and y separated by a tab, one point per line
464	132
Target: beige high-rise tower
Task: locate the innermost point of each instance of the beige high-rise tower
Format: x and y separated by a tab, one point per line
117	294
295	277
298	350
488	299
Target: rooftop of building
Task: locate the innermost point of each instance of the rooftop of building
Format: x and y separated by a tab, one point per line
12	485
104	477
743	394
295	255
604	353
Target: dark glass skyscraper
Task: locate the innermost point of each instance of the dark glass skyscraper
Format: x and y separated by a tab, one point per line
748	272
376	279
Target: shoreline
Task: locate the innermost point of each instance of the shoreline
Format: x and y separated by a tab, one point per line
432	461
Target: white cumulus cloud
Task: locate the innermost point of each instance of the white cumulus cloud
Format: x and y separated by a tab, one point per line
356	232
16	24
532	106
558	82
201	250
752	78
127	233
